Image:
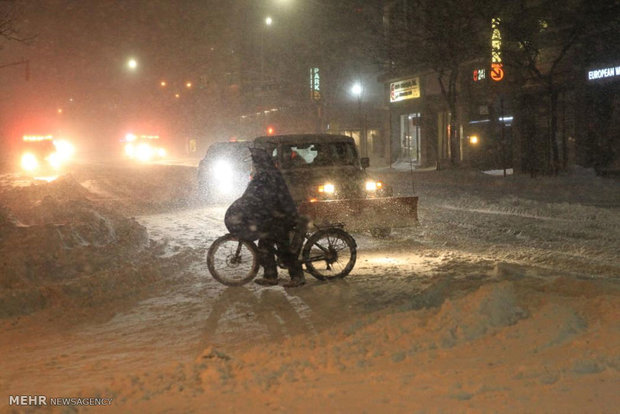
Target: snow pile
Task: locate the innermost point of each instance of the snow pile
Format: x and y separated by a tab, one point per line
141	189
487	310
55	242
473	352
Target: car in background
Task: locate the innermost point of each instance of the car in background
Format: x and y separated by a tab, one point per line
143	147
44	155
224	172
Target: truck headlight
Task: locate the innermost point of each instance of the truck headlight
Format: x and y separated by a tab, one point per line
64	149
223	168
223	173
327	188
29	162
372	185
144	152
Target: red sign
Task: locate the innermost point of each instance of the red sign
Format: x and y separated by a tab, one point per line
497	72
479	74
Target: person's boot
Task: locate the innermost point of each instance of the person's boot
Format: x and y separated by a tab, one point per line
297	277
297	281
268	279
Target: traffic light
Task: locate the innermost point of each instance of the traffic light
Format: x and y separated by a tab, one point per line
270	130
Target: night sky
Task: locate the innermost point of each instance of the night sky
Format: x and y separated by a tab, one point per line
79	52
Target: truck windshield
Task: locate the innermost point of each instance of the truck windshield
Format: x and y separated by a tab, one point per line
318	155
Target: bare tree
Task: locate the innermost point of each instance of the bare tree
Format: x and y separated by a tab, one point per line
8	16
443	35
540	38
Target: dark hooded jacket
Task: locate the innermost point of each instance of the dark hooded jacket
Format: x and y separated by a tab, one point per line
266	208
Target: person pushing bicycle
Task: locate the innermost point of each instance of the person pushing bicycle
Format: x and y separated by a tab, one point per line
266	211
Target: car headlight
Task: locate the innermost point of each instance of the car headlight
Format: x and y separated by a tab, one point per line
223	173
223	168
29	162
144	152
64	149
372	185
327	188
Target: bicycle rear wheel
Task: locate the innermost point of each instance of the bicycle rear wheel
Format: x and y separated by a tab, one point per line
231	261
329	254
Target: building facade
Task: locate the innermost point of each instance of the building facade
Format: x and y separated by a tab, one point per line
538	118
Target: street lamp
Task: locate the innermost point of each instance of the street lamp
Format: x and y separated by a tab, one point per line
132	64
268	22
357	90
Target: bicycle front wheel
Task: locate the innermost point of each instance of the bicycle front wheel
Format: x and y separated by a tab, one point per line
231	261
330	254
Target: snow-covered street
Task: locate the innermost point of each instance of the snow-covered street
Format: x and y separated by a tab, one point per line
503	299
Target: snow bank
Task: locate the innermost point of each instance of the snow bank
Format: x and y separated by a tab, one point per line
55	243
475	349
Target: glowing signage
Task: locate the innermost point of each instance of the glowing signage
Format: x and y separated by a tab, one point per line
479	74
405	89
315	84
497	68
497	72
36	138
604	73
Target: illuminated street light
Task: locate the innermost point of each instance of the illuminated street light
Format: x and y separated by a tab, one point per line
163	84
357	90
188	84
268	22
176	95
132	64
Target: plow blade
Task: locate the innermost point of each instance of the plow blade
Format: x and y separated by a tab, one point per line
364	213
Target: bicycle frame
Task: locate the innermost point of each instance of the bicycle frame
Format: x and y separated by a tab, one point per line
301	237
328	252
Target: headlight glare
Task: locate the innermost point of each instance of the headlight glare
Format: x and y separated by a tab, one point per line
327	188
371	185
64	149
29	162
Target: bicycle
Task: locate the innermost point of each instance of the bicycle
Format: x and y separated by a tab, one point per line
327	253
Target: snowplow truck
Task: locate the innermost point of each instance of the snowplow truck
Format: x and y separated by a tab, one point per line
330	184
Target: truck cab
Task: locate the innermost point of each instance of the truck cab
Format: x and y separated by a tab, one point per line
329	182
322	167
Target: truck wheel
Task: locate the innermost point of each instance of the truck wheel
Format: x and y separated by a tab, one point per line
381	232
